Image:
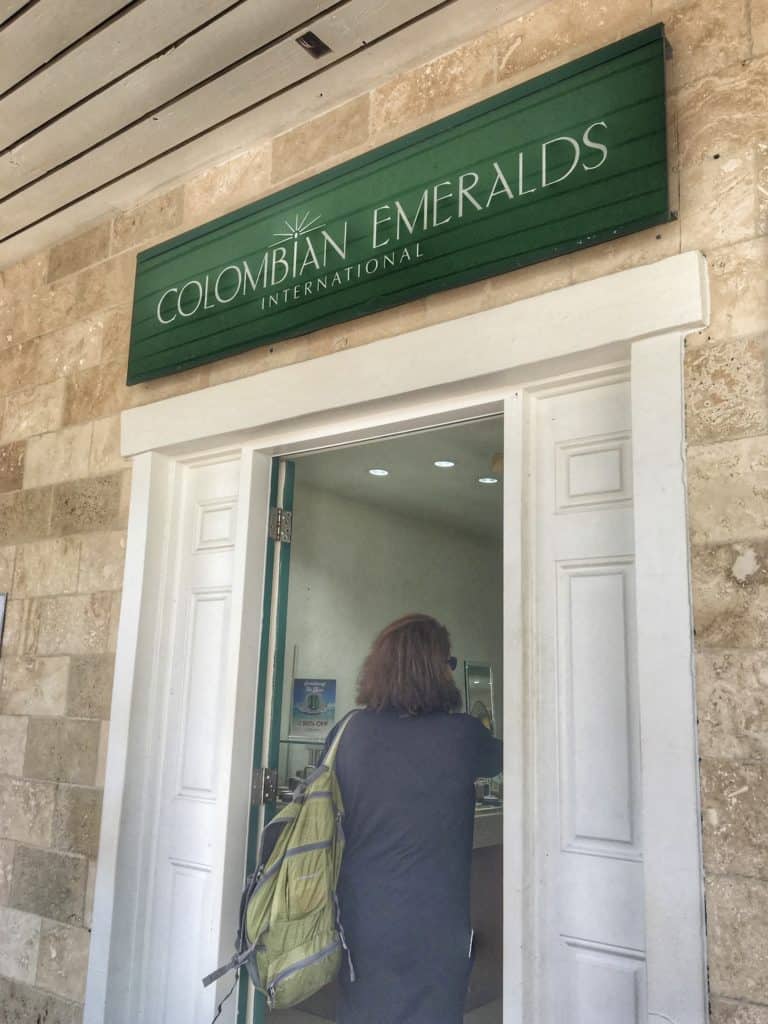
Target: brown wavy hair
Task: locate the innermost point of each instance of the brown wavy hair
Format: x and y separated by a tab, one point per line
407	668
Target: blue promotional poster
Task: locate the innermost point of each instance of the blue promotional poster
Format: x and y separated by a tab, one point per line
313	710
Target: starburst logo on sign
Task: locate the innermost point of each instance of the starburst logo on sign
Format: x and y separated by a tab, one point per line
299	227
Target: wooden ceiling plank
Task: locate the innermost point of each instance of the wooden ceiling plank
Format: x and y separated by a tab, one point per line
47	28
124	43
9	8
279	67
201	56
368	68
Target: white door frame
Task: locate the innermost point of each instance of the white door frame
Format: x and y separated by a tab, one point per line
638	316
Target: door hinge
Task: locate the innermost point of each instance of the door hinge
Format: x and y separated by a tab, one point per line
280	525
264	789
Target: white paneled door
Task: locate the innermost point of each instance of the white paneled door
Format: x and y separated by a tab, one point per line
589	957
184	878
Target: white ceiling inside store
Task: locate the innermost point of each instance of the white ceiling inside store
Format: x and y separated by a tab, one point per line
104	102
415	487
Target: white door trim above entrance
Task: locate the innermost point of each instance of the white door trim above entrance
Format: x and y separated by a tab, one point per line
639	315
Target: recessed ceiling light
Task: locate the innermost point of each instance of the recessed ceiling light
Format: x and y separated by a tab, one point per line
379	472
444	464
487	480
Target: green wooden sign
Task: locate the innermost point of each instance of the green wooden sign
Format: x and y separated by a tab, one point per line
567	160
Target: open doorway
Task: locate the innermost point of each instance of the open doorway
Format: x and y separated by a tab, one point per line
408	523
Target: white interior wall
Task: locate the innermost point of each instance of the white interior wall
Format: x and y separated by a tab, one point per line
355	567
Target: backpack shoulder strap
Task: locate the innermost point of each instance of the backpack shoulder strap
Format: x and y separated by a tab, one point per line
330	756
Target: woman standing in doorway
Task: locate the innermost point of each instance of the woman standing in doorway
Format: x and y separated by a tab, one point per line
406	767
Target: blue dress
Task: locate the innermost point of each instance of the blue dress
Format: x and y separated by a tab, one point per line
407	783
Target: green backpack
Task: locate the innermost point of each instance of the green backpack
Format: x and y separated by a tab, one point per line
290	937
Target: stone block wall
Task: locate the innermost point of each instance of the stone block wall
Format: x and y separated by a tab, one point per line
64	323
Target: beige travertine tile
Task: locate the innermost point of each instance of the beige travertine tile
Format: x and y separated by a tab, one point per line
76	820
759	24
23	1004
26	810
89	694
62	455
735	818
21	627
25	515
125	497
95	393
46	567
7	563
29	274
720	113
228	186
7	850
761	173
737	926
154	219
20	366
114	620
50	884
529	281
7	315
104	285
19	941
165	387
558	32
704	37
46	309
441	307
630	251
101	561
72	348
718	199
424	94
738	290
730	594
309	144
90	890
12	457
726	390
34	686
62	750
105	446
732	699
101	763
728	491
117	333
80	506
34	410
724	1011
63	960
13	741
77	624
76	253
